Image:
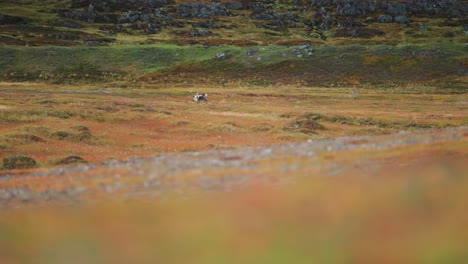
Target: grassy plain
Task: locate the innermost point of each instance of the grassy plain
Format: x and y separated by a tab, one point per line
101	122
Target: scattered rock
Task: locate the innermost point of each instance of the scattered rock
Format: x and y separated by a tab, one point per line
304	50
200	33
422	27
465	28
220	56
93	43
401	20
251	52
152	28
385	19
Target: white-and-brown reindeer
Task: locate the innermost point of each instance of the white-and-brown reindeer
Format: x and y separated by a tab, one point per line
200	97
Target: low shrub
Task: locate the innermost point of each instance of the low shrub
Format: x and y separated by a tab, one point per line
306	124
70	160
18	162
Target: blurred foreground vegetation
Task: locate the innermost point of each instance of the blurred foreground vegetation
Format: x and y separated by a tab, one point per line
410	215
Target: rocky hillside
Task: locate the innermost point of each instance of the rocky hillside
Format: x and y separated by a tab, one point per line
328	42
96	22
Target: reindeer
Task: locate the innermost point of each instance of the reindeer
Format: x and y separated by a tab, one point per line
200	97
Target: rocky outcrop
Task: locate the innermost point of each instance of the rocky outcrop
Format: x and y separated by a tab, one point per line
200	33
385	19
355	8
234	5
344	17
68	24
201	10
275	19
451	8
